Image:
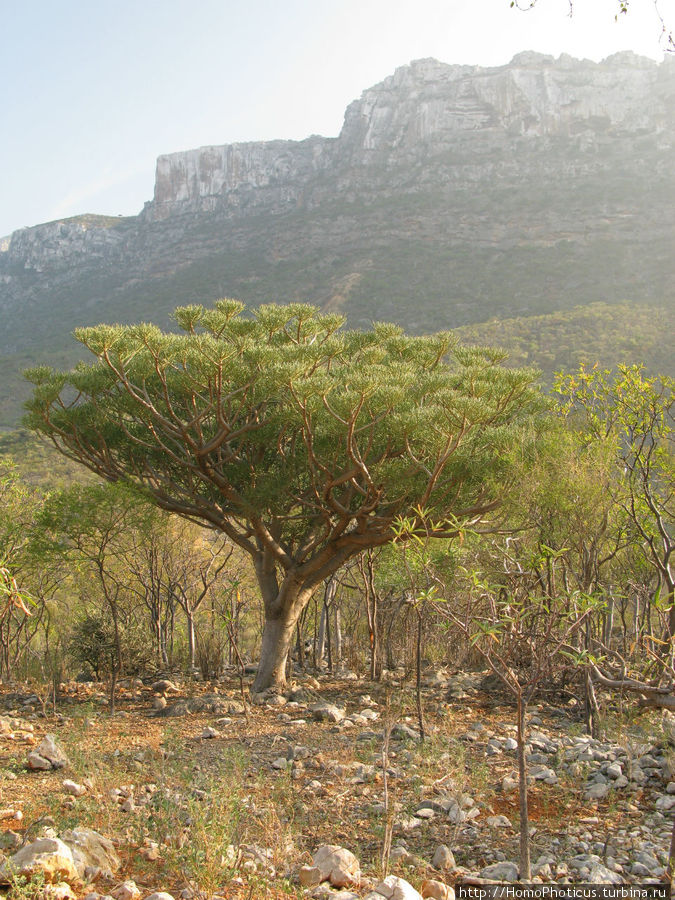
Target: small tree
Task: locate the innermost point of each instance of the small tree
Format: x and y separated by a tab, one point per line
18	506
89	526
300	442
523	635
633	415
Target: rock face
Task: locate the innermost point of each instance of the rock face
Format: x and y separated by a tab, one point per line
423	109
452	194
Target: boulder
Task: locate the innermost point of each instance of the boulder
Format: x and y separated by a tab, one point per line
48	752
128	890
443	858
50	857
91	851
310	876
337	865
60	891
37	763
73	788
327	712
163	686
394	888
600	874
436	890
597	792
501	871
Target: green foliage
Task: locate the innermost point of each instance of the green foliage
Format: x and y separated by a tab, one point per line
566	339
92	644
282	418
632	415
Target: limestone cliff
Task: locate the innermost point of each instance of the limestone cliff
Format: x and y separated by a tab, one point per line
452	194
424	109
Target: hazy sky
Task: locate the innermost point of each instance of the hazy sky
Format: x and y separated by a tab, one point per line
94	92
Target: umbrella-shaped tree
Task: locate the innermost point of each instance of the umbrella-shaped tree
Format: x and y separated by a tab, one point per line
302	442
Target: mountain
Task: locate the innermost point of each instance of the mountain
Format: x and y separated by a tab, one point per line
453	195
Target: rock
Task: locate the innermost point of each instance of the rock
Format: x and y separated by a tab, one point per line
509	783
10	840
150	851
50	857
163	686
47	750
327	712
277	700
159	895
128	890
91	850
501	871
310	876
543	773
665	802
436	890
179	708
425	813
73	788
36	763
443	858
60	891
159	703
600	874
337	865
394	888
403	732
597	792
499	822
209	732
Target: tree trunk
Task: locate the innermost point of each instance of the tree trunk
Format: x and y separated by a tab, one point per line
590	705
113	685
277	639
525	866
283	604
191	636
338	638
299	648
418	677
321	640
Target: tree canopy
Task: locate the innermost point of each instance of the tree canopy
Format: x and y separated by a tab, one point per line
301	441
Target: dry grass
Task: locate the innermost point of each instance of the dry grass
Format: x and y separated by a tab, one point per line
210	801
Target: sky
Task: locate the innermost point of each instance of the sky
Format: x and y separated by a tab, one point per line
93	92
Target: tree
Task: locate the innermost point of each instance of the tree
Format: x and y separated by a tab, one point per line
634	415
301	442
91	526
523	636
20	614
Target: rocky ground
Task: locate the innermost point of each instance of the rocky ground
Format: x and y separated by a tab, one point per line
192	790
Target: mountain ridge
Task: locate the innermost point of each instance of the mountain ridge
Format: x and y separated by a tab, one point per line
453	194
